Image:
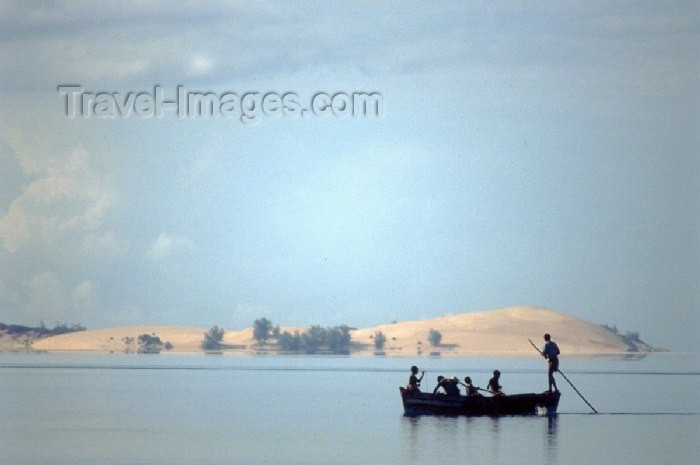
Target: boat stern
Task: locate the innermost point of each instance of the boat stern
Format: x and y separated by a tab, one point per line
548	403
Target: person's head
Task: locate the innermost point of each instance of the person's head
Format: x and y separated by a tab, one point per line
414	369
454	380
496	374
440	378
547	337
467	380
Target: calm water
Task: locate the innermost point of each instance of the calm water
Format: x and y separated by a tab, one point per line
196	410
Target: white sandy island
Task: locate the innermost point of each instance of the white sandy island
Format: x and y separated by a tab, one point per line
495	332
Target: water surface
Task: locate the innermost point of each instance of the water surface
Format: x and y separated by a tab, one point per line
68	409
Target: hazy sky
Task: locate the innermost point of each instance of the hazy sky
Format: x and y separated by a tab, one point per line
541	153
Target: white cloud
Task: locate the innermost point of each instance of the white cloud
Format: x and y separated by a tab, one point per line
107	245
44	294
67	199
201	64
84	292
164	245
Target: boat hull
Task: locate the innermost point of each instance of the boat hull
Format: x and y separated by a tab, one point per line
545	403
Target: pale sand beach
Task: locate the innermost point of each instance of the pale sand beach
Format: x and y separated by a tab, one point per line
495	332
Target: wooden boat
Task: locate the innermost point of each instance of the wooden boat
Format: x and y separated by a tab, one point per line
516	404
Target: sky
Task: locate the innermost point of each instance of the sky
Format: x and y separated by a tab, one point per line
528	153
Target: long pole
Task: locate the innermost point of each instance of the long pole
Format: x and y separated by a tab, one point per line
567	379
477	388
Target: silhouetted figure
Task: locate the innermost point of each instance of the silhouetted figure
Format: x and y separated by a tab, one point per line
449	386
440	385
494	387
551	353
414	381
454	388
470	388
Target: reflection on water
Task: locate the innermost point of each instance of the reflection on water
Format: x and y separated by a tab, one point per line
551	440
410	431
497	439
551	427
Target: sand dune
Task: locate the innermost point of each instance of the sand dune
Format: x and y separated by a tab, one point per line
504	331
496	332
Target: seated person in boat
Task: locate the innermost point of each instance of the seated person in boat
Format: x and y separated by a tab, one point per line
471	389
454	381
494	387
414	381
449	386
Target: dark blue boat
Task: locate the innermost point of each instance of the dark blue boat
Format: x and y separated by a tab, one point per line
422	403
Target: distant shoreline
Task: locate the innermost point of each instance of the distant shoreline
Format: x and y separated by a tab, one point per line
494	333
360	354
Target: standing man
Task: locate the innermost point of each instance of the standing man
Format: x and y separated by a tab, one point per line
551	353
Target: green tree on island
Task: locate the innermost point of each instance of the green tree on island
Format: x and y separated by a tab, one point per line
434	337
379	340
289	342
338	339
335	340
313	339
151	344
212	338
262	329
